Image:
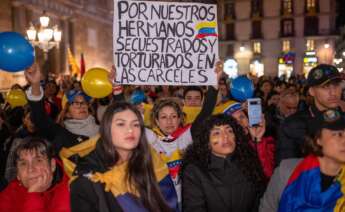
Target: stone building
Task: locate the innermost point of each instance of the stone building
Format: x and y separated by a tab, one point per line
86	27
275	37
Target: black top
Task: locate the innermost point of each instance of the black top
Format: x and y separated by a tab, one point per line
223	188
326	181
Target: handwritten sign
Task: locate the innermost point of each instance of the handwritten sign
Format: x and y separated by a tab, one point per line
165	43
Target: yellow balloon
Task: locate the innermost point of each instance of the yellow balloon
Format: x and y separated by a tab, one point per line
95	83
16	98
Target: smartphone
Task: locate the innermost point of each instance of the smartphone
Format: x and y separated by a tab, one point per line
254	111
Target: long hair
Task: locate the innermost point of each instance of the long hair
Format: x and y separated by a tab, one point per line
244	157
140	171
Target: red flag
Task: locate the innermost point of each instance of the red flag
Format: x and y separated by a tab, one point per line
82	65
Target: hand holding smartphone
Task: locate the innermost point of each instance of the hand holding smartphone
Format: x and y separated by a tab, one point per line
254	111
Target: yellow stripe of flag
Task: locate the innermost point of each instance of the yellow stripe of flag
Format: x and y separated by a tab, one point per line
207	24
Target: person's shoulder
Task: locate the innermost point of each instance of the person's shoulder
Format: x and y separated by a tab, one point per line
81	183
303	114
12	187
289	163
287	166
297	119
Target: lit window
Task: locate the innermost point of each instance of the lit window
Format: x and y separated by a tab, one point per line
257	47
310	45
287	6
286	46
310	5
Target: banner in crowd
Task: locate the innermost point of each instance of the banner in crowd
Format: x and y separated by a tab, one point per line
165	43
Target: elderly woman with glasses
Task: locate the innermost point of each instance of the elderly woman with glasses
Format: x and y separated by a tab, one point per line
76	122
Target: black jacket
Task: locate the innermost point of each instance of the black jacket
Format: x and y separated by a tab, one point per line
87	195
53	132
223	188
273	119
292	132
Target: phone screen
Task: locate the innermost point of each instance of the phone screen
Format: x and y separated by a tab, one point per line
254	111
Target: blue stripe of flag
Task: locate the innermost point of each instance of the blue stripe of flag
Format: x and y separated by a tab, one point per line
207	30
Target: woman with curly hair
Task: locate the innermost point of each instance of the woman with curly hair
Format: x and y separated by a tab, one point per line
221	172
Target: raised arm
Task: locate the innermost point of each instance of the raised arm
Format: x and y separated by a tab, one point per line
210	100
42	121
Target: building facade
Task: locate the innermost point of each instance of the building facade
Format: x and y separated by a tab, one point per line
86	27
277	37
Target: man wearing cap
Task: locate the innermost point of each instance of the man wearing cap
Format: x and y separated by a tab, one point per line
324	86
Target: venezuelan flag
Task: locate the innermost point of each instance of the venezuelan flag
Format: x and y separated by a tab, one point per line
206	28
303	191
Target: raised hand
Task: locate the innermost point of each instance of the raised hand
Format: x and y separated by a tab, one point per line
33	74
219	72
117	88
112	75
257	132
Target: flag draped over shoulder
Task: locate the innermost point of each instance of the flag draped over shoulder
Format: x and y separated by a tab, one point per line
72	62
303	191
114	178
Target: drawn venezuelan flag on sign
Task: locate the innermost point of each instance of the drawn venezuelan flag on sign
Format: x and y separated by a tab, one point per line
206	28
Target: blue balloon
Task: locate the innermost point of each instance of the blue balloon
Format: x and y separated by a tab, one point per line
16	53
242	88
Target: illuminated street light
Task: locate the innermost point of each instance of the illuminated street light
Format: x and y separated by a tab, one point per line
47	37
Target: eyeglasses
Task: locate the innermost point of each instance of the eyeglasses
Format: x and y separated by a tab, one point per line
79	104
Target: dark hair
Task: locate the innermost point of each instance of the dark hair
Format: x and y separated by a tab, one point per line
271	94
192	88
311	146
34	144
243	156
53	83
140	172
166	102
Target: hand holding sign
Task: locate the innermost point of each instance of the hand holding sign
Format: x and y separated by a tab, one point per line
219	72
117	89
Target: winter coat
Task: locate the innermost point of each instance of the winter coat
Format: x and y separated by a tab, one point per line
91	196
56	134
292	133
266	151
222	188
16	198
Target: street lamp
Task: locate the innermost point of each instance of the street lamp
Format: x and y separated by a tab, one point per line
242	48
48	37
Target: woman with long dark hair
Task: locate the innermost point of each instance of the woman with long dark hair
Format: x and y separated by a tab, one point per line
221	172
121	174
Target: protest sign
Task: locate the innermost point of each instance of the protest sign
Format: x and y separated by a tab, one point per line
165	43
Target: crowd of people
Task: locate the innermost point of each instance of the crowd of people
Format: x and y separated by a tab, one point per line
175	148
